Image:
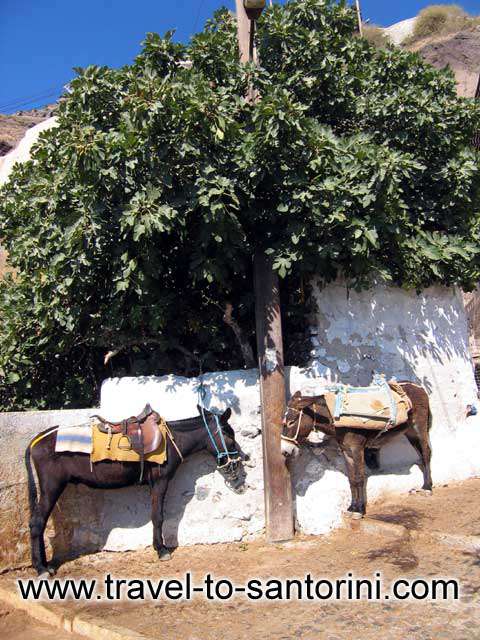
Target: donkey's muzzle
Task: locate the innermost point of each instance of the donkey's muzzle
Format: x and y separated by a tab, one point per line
234	475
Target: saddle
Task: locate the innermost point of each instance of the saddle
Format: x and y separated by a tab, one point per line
381	406
142	433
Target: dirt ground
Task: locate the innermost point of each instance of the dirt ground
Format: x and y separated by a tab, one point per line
418	554
15	625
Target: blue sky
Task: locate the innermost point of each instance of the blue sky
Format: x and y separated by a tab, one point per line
42	40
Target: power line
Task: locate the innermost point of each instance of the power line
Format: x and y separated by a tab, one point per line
200	7
18	102
28	100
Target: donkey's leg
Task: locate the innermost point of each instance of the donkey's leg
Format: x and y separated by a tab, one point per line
51	489
421	443
352	445
159	489
418	430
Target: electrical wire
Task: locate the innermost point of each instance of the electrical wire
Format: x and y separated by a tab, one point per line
200	7
19	102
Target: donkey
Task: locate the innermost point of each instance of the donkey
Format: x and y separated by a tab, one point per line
305	413
55	470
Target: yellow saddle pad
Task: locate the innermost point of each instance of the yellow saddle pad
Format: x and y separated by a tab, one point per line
116	447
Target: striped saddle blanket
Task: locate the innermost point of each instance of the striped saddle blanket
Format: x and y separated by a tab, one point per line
74	439
380	406
87	438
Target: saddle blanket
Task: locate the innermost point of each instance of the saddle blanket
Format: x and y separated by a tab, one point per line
74	439
116	447
383	405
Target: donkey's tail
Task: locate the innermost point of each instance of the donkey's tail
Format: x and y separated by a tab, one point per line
32	487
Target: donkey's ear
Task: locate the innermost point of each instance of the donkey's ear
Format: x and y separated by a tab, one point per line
227	414
307	401
297	394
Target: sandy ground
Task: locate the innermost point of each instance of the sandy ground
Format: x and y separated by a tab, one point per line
452	509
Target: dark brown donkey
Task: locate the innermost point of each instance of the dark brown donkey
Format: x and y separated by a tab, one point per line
306	413
206	432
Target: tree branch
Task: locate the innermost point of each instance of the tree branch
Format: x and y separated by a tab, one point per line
146	341
246	349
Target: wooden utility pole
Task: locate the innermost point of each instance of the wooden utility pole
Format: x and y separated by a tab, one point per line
277	482
359	16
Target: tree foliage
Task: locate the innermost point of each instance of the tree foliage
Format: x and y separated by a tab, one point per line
135	222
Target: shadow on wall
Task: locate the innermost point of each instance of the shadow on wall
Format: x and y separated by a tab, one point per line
177	397
418	337
388	330
316	460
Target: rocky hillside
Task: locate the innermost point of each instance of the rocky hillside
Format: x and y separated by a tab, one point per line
13	127
460	51
444	35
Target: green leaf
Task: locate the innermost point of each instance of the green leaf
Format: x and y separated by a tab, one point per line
372	236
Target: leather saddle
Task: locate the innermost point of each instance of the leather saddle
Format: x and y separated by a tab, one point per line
142	432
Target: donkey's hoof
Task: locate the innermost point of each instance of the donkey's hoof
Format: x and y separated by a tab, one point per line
45	575
164	555
356	515
421	492
353	515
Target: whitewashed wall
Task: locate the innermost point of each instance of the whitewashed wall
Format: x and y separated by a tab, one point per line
22	151
420	338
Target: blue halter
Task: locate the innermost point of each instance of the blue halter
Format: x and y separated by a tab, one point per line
220	454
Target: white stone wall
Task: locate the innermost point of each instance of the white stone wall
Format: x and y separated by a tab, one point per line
423	338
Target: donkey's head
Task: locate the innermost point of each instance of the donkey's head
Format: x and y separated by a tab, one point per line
221	443
302	416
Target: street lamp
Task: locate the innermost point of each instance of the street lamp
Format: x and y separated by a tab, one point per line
254	8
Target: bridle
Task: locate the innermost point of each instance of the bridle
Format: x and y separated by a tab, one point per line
230	463
299	423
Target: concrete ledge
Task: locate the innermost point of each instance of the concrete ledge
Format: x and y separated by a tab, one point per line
464	543
376	527
55	617
59	617
390	530
97	629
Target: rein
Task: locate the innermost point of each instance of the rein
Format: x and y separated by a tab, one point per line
299	423
172	440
